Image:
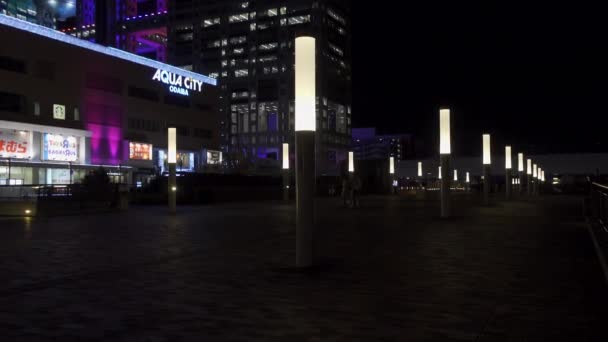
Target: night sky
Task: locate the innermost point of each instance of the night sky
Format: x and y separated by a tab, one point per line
497	66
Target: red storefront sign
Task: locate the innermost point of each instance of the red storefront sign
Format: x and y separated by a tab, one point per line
15	144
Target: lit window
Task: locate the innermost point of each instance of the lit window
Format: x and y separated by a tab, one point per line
241	73
300	19
268	46
336	16
238	40
238	18
211	22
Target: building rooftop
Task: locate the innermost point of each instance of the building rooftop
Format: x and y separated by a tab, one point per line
116	53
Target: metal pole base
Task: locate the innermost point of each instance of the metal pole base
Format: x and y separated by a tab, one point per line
172	183
286	185
508	185
305	181
445	186
486	184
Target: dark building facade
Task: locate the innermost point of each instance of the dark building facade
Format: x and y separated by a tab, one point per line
249	47
367	145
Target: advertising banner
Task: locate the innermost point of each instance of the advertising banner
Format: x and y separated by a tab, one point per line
60	148
15	144
140	151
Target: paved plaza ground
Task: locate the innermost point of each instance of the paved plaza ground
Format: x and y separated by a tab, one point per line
389	271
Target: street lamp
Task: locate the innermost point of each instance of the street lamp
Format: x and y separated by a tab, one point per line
508	185
540	178
487	162
529	177
305	127
172	161
534	178
445	149
286	172
351	162
520	170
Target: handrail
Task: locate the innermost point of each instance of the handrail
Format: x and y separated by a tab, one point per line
600	185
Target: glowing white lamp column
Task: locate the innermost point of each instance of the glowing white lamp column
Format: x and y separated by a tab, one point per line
286	172
487	164
539	179
520	170
445	149
534	178
391	173
529	177
455	175
467	181
171	161
351	162
508	166
305	127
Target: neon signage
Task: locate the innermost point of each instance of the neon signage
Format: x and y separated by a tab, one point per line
178	84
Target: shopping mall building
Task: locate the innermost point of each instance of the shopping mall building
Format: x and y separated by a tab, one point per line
68	106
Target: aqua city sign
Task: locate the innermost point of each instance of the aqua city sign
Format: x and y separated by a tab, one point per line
178	84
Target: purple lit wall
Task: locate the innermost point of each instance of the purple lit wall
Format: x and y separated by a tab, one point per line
161	5
88	12
273	122
103	118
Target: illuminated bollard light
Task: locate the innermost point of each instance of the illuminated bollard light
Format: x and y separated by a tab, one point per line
171	161
351	162
305	127
445	150
468	182
487	164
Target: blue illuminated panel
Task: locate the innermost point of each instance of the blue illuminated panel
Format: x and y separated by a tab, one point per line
62	37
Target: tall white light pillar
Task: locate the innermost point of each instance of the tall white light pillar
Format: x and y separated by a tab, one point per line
171	162
534	178
487	164
520	171
305	127
351	162
286	178
539	180
445	150
529	177
468	181
391	173
508	166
